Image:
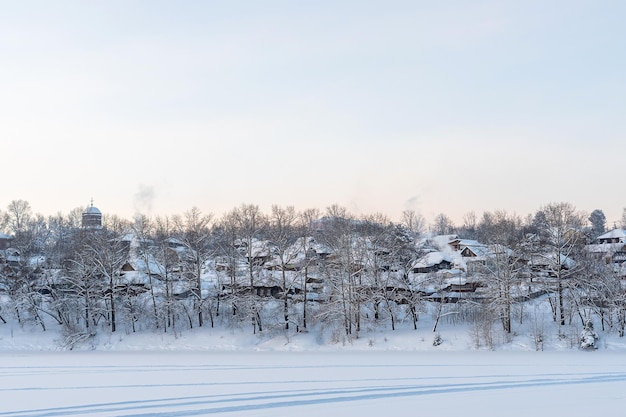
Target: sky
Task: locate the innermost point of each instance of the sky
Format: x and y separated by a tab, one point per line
451	107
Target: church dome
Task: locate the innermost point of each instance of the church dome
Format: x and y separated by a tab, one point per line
92	210
92	217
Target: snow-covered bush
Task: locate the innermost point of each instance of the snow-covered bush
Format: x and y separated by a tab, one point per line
588	337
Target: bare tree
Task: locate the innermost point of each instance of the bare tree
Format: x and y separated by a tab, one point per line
113	223
402	254
442	225
305	229
414	222
250	222
194	229
168	252
560	238
143	230
376	288
17	216
391	251
229	260
504	266
84	286
342	271
470	224
105	256
597	289
3	221
281	231
500	227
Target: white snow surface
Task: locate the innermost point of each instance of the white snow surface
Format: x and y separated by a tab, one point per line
202	372
334	383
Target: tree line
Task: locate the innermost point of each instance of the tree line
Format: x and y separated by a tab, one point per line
289	271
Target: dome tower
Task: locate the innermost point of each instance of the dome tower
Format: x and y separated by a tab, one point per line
92	217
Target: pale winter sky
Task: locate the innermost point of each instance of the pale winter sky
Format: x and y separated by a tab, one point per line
378	106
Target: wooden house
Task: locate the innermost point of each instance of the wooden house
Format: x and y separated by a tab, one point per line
611	246
432	262
613	236
5	241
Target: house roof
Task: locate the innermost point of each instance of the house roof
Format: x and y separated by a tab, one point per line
548	260
135	277
296	253
172	241
499	249
481	251
608	248
431	259
466	242
613	234
149	265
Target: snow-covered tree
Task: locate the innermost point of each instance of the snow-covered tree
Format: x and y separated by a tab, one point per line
194	230
282	233
305	232
561	238
250	222
588	336
598	222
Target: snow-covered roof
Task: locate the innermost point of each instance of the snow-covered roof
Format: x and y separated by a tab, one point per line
258	248
149	265
608	248
37	260
13	257
174	242
613	234
481	251
466	242
294	254
134	240
92	210
302	244
134	277
431	259
550	259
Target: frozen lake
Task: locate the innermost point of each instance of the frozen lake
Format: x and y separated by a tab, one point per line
312	384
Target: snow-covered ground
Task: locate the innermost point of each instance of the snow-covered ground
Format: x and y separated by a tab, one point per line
232	371
341	383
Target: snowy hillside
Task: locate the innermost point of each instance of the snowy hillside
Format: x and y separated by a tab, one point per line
452	336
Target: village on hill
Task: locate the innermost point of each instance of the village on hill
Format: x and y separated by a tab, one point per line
301	272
